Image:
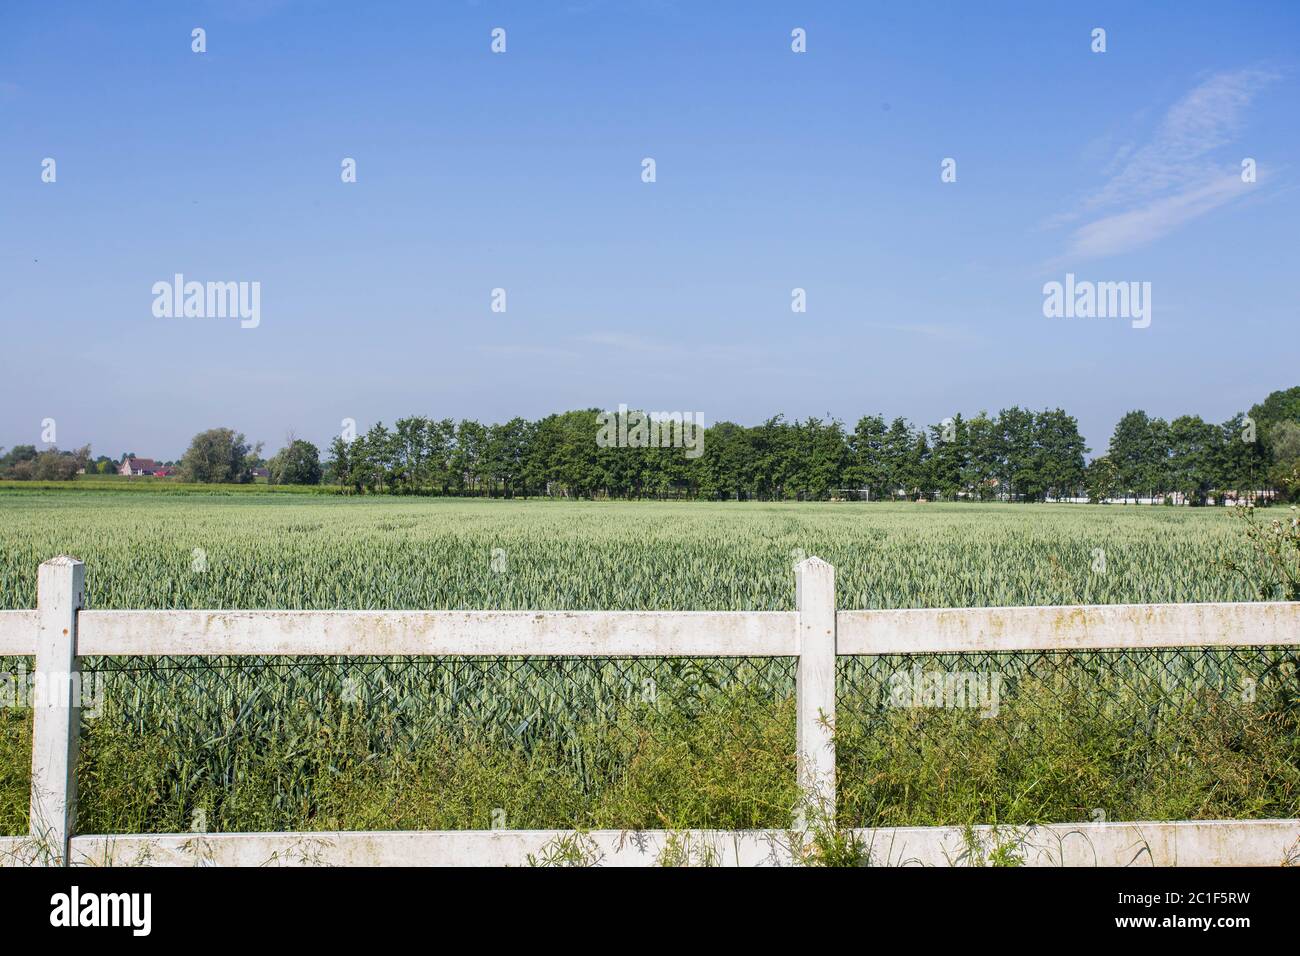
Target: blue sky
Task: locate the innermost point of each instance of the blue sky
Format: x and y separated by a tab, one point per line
522	171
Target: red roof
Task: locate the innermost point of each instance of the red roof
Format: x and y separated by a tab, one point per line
143	464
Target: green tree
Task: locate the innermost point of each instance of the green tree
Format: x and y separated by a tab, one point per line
298	463
950	441
1018	447
822	453
1060	454
219	455
1102	479
1193	446
1282	405
866	466
339	468
725	471
468	459
1284	446
25	463
1241	458
1131	451
918	473
984	461
896	456
12	464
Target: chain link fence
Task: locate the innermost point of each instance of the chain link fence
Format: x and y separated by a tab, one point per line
273	743
15	744
436	742
1068	736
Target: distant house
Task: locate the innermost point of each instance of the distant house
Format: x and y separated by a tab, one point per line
261	473
138	466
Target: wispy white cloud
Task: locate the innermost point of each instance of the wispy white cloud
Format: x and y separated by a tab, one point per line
1127	230
1176	175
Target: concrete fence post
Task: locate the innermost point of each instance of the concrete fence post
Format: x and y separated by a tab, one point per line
815	684
56	707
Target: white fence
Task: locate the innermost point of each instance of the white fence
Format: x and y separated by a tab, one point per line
60	631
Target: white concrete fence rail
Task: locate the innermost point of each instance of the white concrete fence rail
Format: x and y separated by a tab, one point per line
61	631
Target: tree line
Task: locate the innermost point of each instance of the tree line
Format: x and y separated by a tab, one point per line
25	463
1016	455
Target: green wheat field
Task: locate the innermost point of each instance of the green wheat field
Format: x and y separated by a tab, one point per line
364	743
